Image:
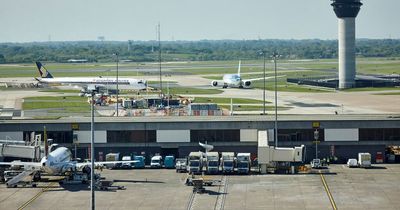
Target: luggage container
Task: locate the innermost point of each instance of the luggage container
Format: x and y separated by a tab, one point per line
169	161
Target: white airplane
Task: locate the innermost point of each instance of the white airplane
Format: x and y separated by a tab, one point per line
236	81
59	162
90	82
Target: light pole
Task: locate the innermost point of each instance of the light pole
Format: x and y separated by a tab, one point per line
275	56
108	78
263	53
316	137
92	151
117	83
159	60
168	75
92	93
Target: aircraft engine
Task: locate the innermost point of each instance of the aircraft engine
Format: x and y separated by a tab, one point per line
247	84
214	83
86	169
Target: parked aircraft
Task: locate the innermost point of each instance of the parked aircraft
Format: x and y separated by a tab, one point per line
59	162
235	81
90	82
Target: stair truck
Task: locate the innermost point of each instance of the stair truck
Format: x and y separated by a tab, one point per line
195	160
243	163
228	162
212	164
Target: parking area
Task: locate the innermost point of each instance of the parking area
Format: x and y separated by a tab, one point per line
350	188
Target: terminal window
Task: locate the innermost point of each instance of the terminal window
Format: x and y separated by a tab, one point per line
232	135
59	137
379	134
299	135
131	136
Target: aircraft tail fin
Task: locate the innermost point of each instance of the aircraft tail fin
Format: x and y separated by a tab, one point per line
43	71
239	67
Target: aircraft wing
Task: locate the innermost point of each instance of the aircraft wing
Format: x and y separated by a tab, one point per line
261	78
20	163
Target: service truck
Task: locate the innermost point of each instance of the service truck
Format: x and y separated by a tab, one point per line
181	165
228	162
212	164
364	160
169	161
156	161
243	163
195	160
126	165
112	157
140	161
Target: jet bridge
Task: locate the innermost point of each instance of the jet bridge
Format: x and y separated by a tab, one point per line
20	151
270	156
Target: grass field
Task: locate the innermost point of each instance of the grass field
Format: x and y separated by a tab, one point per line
371	89
253	108
54	90
364	65
240	104
391	93
227	100
298	68
287	87
164	83
66	103
76	104
194	91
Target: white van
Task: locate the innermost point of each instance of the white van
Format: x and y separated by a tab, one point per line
352	163
156	161
126	165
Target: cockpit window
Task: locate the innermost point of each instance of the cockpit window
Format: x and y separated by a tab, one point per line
235	77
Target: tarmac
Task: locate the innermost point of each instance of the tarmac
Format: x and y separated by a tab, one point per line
342	188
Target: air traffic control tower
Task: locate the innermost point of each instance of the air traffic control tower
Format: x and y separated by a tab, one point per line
346	11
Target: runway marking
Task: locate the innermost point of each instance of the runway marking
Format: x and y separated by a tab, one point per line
328	192
36	196
222	190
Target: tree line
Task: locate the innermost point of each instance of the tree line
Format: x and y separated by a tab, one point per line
204	50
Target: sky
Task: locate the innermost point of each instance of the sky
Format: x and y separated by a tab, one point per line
121	20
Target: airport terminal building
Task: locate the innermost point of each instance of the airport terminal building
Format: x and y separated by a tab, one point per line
342	136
